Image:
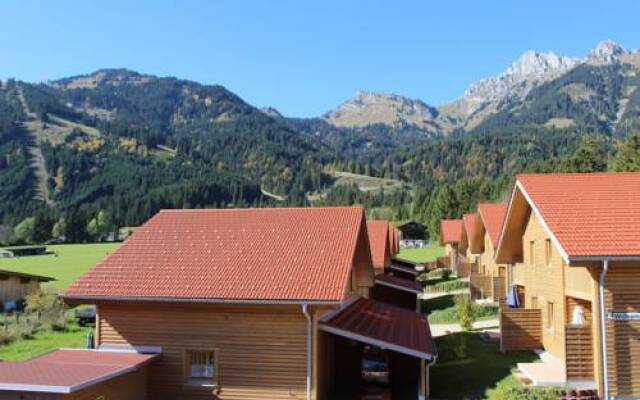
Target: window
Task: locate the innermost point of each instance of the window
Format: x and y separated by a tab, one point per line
550	316
547	252
532	253
200	367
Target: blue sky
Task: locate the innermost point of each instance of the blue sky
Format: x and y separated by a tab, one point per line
304	57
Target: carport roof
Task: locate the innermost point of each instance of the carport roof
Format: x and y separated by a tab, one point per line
383	325
68	370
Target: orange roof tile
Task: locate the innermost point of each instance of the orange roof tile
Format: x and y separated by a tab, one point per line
492	216
378	231
590	214
284	254
470	222
450	231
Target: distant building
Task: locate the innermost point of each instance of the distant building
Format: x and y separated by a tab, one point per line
15	286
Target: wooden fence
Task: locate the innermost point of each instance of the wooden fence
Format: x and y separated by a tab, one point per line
444	262
520	329
480	286
498	288
464	270
579	352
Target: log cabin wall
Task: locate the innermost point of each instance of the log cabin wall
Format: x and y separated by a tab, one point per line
260	350
623	337
15	288
544	285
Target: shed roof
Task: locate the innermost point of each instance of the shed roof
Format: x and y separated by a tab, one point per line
65	371
383	325
39	278
406	285
232	255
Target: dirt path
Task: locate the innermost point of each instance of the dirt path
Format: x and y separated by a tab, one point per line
35	156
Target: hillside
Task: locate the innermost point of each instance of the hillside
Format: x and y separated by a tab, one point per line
124	144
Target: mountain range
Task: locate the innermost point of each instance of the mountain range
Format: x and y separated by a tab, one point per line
129	143
487	97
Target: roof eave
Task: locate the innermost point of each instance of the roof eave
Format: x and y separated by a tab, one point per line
186	300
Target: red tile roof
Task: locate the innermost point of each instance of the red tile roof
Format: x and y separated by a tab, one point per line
378	241
383	325
399	283
65	371
450	231
280	254
470	222
596	214
492	216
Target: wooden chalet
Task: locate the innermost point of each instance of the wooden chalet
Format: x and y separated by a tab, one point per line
572	246
246	304
487	278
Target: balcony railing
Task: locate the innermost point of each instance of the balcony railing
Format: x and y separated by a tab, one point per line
520	328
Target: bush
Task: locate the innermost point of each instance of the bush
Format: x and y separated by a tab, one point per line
25	327
533	393
446	272
447	286
464	311
452	348
49	308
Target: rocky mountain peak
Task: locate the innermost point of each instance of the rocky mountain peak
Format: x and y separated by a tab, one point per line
530	67
367	108
607	52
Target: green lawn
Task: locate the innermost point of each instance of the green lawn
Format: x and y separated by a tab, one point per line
442	310
469	368
424	254
69	262
44	341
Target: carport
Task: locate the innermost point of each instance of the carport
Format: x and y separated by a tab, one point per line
400	337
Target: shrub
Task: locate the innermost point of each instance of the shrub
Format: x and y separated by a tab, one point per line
446	272
447	286
464	311
24	328
532	393
452	348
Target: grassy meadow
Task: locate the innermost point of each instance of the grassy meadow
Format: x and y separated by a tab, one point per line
429	252
68	262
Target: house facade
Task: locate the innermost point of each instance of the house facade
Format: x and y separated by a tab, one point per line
255	304
572	246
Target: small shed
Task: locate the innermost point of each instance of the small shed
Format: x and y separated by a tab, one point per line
413	230
15	286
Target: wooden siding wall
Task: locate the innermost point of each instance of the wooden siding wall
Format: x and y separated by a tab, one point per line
11	288
545	283
518	274
623	337
132	386
261	350
521	329
579	350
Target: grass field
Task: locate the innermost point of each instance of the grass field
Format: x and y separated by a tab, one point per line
427	253
68	262
46	340
469	368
